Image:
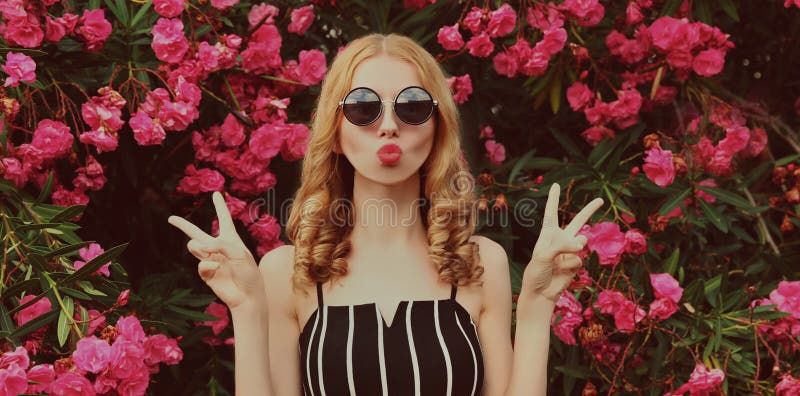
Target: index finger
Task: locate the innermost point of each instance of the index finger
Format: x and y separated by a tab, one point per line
551	207
191	230
583	216
225	221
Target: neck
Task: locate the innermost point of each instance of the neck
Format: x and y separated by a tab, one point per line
386	216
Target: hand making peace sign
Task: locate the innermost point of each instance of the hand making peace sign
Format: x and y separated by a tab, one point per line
554	261
226	264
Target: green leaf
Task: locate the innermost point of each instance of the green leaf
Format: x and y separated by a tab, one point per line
48	186
141	13
728	197
6	324
564	140
555	94
674	202
89	288
68	213
95	264
18	287
670	6
67	249
711	289
671	264
787	160
75	293
189	314
36	226
519	164
36	323
713	214
64	320
730	9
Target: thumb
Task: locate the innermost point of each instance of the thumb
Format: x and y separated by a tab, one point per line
207	270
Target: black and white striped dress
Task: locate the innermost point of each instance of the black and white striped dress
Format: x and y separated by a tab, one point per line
431	349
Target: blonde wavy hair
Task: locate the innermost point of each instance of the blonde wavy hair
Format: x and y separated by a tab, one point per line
325	192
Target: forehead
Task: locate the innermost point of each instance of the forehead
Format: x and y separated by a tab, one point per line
385	74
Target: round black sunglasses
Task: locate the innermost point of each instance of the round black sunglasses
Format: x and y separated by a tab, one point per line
363	106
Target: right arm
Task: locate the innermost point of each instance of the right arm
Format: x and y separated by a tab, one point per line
277	267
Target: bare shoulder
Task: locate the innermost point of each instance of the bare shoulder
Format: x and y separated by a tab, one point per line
278	262
496	276
277	267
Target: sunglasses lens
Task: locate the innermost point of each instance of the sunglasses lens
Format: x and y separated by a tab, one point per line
361	106
414	105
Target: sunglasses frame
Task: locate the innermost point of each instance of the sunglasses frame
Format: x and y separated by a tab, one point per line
394	103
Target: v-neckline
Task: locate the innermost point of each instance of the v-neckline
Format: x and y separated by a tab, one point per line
379	312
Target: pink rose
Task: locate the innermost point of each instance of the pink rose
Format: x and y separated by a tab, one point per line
662	309
295	141
579	96
19	67
92	354
461	87
450	38
480	45
87	254
635	242
628	315
495	151
474	20
53	138
127	358
633	14
553	41
130	328
265	142
757	142
665	286
43	375
94	29
38	308
505	64
146	130
302	18
607	241
24	31
709	62
221	312
595	134
312	66
702	381
13	380
787	297
169	42
208	56
502	21
262	12
566	318
18	356
159	348
658	166
789	386
135	384
222	5
71	383
168	8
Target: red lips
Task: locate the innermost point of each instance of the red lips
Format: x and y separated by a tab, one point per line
389	153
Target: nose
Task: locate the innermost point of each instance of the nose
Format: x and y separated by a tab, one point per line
387	123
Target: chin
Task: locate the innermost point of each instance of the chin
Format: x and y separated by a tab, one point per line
389	174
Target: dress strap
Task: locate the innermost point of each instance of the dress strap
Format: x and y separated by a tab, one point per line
319	294
453	290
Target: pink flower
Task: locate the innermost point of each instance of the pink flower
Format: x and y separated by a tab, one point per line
553	41
665	286
56	29
566	318
587	12
628	315
24	31
135	384
658	166
662	309
579	95
38	308
221	312
295	141
502	21
208	56
789	386
709	62
122	298
96	320
13	380
169	42
262	12
594	135
505	64
480	45
129	328
71	383
635	242
43	375
101	139
263	51
159	348
222	5
168	8
53	139
146	130
200	180
94	29
127	358
302	18
495	151
474	20
607	241
92	354
702	381
787	297
461	87
19	67
450	38
87	254
633	14
312	66
758	140
18	356
416	3
265	142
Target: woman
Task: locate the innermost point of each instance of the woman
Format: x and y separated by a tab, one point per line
359	304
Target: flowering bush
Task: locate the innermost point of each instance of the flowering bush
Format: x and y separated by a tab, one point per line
670	109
